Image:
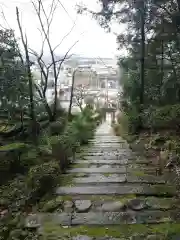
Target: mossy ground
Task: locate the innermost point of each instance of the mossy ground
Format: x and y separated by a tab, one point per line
120	231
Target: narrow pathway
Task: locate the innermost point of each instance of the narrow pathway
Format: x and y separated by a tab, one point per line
111	193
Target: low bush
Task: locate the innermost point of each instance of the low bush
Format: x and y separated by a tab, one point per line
42	178
52	204
76	133
11	156
57	127
154	118
162	118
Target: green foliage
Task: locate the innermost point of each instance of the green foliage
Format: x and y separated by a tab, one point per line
42	178
167	117
11	163
52	205
57	127
13	84
13	147
76	133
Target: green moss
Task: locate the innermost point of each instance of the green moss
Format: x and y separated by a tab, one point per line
119	231
138	173
6	128
66	180
66	198
53	204
13	146
80	165
165	189
107	174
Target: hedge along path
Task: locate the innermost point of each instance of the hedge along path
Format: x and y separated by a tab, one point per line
110	193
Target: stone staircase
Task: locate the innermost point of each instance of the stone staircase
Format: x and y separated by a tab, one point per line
111	194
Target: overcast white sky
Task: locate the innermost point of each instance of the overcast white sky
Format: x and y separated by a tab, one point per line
93	42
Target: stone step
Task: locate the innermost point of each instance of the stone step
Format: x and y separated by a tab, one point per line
98	170
118	178
106	140
115	189
108	154
102	218
108	157
118	169
110	162
118	218
94	179
100	149
116	203
103	147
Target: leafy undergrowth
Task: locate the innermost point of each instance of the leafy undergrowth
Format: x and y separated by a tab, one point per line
37	170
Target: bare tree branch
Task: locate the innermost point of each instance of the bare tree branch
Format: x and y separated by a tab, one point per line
28	67
65	37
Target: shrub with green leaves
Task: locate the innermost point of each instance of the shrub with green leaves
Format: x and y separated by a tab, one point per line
11	156
42	178
77	132
58	126
162	117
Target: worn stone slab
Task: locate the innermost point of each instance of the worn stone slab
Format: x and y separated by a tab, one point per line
136	204
36	220
98	170
104	218
106	157
105	139
110	162
117	218
68	206
116	189
82	205
99	178
162	203
107	152
82	237
146	179
106	148
112	206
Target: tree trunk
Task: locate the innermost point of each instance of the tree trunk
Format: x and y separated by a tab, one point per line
30	81
142	57
71	96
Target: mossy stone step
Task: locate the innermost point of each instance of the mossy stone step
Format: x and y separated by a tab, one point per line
119	218
118	178
110	162
100	178
115	189
98	170
102	218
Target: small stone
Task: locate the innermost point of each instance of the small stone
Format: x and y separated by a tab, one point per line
82	205
82	237
137	237
82	175
68	206
105	166
65	226
32	221
112	206
136	204
151	237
